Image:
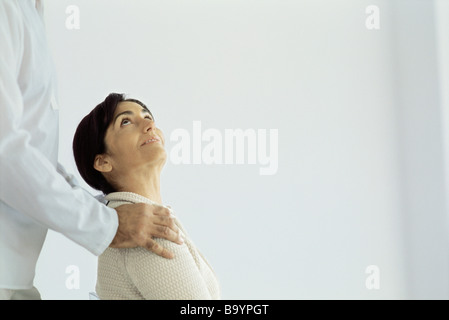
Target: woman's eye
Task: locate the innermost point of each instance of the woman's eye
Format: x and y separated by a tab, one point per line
125	122
148	117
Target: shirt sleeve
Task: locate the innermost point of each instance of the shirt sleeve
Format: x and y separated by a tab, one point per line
158	278
29	183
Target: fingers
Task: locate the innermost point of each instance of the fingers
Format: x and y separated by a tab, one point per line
140	223
165	225
165	232
167	221
158	249
162	210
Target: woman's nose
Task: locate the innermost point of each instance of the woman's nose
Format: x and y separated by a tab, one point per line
148	125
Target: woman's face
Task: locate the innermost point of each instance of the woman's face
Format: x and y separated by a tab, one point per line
132	139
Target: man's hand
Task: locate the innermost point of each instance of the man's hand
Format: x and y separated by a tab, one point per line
140	222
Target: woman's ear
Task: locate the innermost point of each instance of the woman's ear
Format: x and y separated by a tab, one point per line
102	163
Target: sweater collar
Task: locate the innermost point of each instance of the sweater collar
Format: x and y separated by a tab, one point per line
128	197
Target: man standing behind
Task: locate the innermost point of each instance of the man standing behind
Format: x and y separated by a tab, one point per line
35	193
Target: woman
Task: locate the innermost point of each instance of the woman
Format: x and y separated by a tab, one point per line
119	150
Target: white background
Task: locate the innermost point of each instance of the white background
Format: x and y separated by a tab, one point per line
362	139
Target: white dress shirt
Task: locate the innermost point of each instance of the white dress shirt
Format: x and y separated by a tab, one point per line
34	195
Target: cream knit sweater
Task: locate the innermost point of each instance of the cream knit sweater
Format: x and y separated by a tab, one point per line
140	274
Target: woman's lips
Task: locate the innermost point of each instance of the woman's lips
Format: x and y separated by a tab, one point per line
151	141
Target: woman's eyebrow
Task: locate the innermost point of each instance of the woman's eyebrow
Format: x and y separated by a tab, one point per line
129	112
144	110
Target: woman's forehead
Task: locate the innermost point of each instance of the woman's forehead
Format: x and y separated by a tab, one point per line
130	105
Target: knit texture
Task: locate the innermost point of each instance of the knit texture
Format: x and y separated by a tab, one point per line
139	274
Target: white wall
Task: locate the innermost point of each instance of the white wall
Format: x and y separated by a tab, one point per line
421	127
442	28
339	201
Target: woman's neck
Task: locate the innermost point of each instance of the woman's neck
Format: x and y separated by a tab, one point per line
145	183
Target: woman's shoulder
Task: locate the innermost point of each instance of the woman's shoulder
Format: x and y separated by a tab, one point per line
141	254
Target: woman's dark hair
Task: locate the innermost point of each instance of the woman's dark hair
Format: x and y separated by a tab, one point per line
89	140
